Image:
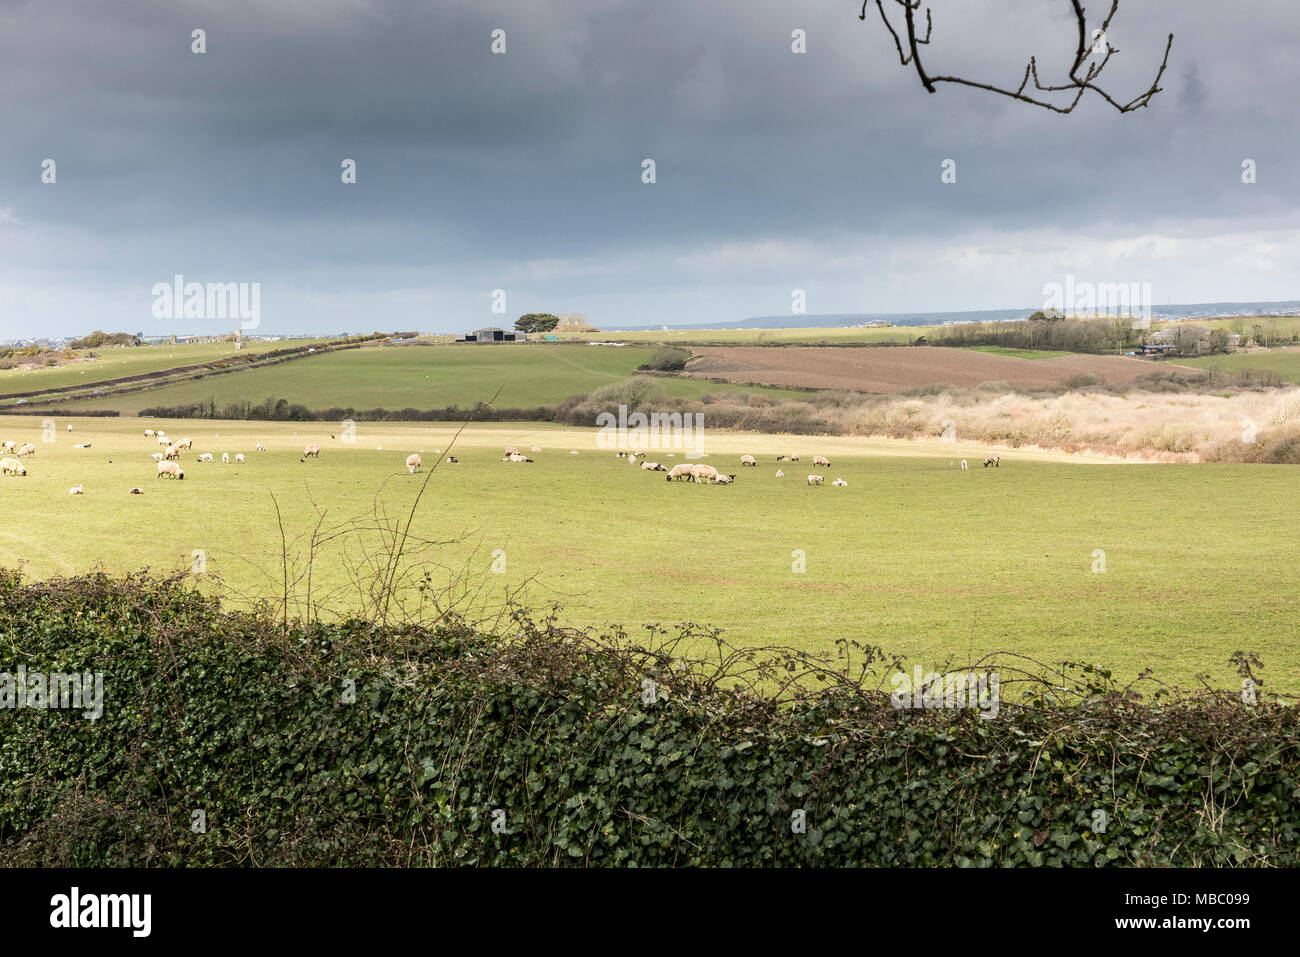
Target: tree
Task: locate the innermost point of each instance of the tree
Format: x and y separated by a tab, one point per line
537	322
1090	59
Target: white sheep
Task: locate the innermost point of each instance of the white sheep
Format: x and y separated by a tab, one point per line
156	456
535	448
239	457
260	447
748	460
680	472
26	449
12	466
170	470
225	458
149	433
10	446
704	473
514	458
311	451
780	474
993	460
413	462
171	452
185	443
76	490
205	457
816	479
964	466
840	483
725	479
821	460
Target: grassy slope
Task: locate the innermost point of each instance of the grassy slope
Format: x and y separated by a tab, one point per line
124	361
423	377
915	555
1284	362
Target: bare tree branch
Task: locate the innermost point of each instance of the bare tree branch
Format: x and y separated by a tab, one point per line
1080	79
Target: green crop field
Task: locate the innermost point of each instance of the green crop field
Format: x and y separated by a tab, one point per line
1284	363
914	555
424	377
1018	353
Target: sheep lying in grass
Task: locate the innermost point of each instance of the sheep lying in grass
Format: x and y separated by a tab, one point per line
413	462
136	491
654	467
10	466
76	490
816	479
515	458
840	483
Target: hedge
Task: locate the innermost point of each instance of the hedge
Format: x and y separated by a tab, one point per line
227	739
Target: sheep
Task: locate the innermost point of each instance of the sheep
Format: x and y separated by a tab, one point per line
840	483
780	474
163	440
82	445
10	446
535	448
704	473
782	458
136	491
413	462
511	450
964	466
171	452
239	457
748	460
816	479
679	472
513	458
794	458
205	457
993	460
311	451
26	449
225	458
653	467
149	433
170	470
573	451
76	490
185	443
640	453
156	456
12	466
260	447
69	428
453	460
725	479
821	460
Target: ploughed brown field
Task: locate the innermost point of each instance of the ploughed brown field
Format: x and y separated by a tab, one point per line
905	367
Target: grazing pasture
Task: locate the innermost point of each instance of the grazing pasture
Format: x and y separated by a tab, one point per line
915	554
1283	363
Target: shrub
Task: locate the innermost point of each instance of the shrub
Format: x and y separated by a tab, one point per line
668	360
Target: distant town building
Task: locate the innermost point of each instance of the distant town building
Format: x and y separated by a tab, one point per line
490	334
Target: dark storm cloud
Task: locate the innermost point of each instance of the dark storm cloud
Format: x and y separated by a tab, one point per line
522	171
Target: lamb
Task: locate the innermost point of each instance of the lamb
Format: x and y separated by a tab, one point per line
748	460
679	472
816	479
26	449
513	458
225	458
840	483
993	460
261	447
163	440
964	466
782	458
10	446
149	433
185	443
725	479
653	467
205	457
780	474
82	445
170	470
136	491
312	451
821	460
10	466
171	452
156	456
413	462
76	490
794	458
239	457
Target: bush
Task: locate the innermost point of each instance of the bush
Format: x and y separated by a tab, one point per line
668	360
551	733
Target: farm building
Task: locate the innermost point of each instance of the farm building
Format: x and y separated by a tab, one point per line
490	334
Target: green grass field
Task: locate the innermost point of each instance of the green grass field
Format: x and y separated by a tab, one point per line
1284	363
833	335
425	377
1018	353
914	555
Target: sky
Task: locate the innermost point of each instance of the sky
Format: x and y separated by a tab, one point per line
514	180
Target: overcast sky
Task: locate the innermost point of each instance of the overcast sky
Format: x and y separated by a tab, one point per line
522	171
